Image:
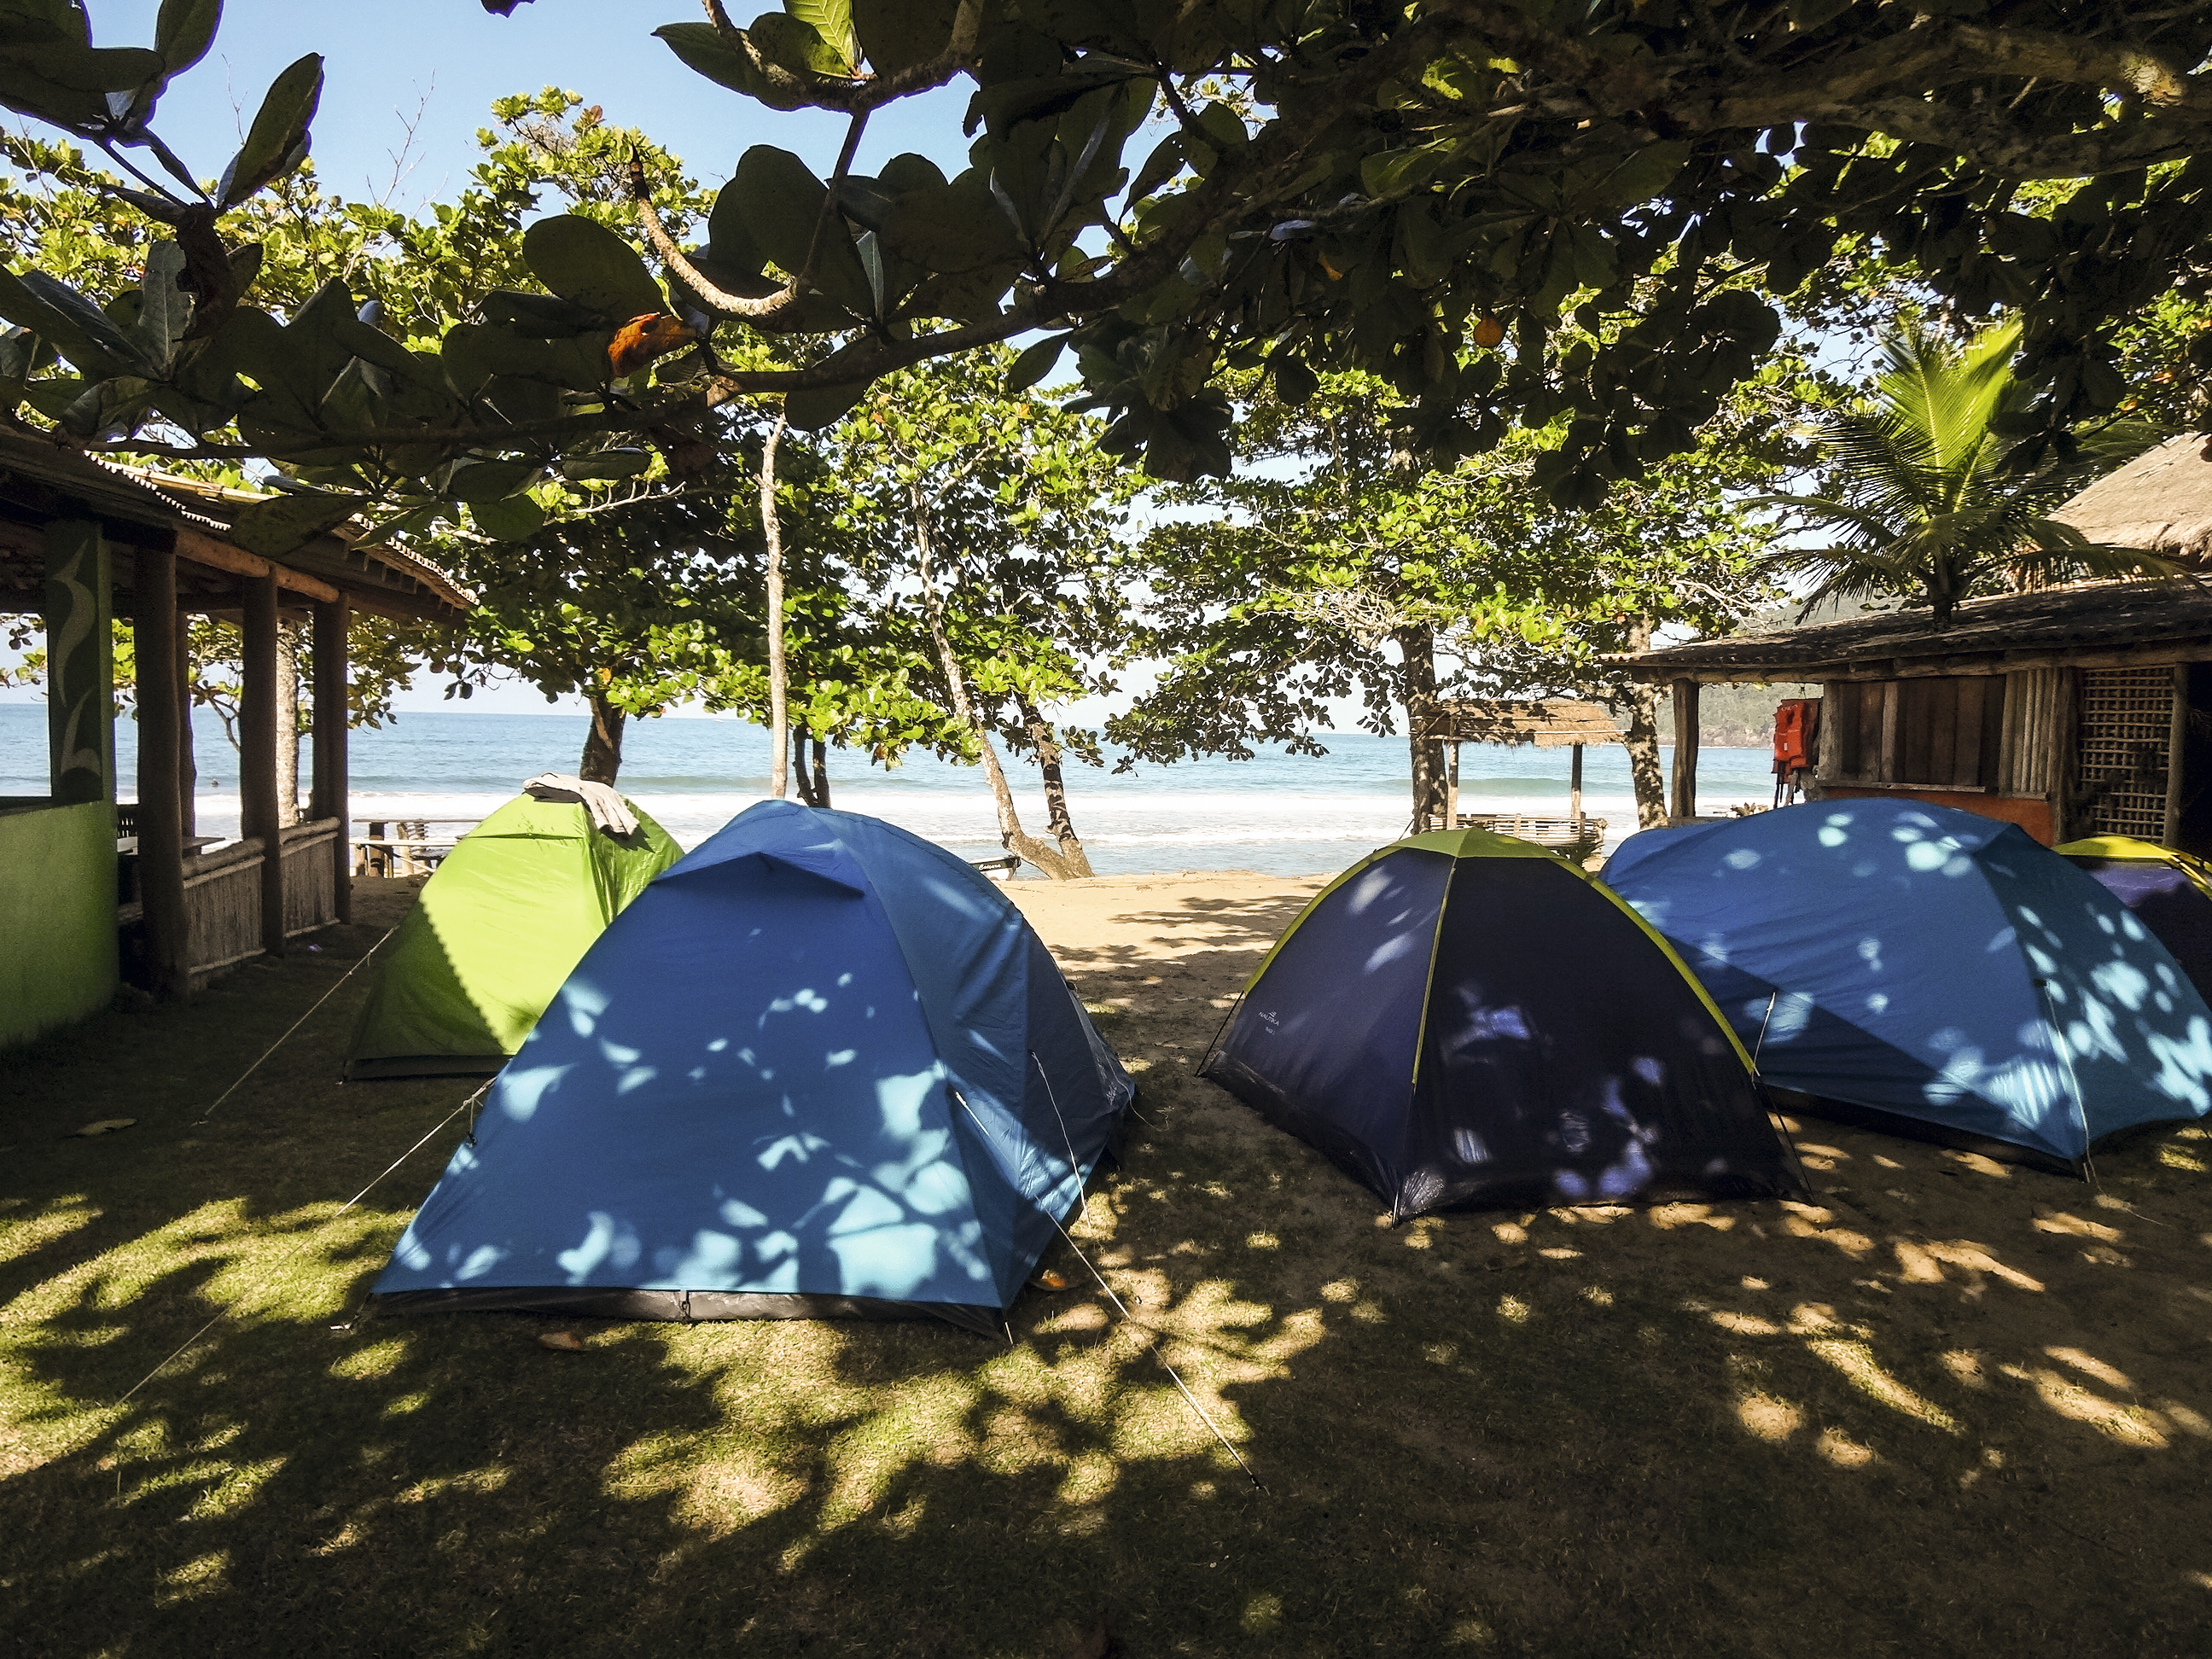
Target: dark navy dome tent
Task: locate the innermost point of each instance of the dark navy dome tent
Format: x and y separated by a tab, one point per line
819	1066
1465	1018
1930	971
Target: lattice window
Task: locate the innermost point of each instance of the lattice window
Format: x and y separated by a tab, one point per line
2127	716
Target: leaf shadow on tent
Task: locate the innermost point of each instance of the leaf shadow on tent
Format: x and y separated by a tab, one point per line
1950	1405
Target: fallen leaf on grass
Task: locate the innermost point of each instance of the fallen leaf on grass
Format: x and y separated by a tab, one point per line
107	1126
1049	1280
562	1341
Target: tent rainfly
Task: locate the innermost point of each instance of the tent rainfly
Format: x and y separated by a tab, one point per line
819	1068
1466	1019
1931	972
500	924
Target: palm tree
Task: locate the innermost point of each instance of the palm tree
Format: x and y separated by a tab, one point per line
1924	504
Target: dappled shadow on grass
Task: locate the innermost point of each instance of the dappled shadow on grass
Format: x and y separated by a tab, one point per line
1950	1407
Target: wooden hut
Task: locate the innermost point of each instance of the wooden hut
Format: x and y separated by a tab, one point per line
1554	724
2076	710
82	541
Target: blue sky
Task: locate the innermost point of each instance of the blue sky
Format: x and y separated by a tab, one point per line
382	60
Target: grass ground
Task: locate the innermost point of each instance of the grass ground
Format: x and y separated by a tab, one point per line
1951	1409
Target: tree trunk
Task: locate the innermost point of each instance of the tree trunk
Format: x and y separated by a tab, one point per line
1012	835
1642	699
813	783
779	703
1042	739
603	748
1417	690
288	725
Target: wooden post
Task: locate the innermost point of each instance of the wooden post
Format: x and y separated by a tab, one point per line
2176	758
188	771
1575	788
256	754
1451	790
160	802
330	797
1686	749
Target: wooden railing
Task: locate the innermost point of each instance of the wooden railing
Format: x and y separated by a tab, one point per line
222	895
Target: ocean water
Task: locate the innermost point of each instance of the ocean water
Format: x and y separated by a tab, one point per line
1281	814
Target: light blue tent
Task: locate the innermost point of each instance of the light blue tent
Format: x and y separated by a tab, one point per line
1929	970
819	1066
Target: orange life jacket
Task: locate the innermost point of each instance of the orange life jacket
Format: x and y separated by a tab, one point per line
1796	734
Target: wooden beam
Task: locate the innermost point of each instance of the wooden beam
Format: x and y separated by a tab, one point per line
257	755
329	800
200	548
1575	788
2158	654
160	801
1686	749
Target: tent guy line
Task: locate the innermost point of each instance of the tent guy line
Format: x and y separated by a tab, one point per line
1151	1333
225	1311
210	1112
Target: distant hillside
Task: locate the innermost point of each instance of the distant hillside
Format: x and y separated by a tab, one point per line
1739	716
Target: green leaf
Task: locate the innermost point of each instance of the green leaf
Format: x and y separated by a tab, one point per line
960	227
810	411
491	481
1294	381
605	465
474	353
541	316
587	264
897	34
792	45
184	31
780	201
510	518
165	310
704	51
730	246
284	523
76	327
277	141
832	21
1035	362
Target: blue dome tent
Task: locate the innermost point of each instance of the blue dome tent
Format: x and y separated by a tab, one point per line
1466	1019
1929	971
819	1066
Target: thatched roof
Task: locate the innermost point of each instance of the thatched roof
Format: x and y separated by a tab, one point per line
2161	501
1557	724
2085	624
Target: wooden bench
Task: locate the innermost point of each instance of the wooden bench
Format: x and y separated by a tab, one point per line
1562	833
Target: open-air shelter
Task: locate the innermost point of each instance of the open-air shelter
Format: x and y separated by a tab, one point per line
1557	723
82	543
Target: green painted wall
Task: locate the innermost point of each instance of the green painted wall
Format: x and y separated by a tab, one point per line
57	915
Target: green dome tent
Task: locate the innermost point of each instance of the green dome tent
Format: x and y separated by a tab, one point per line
500	923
